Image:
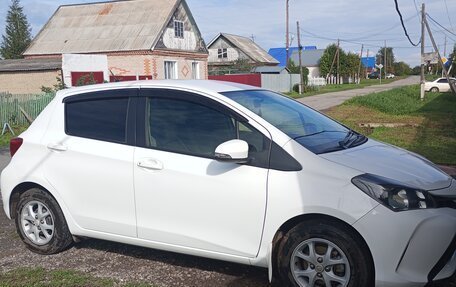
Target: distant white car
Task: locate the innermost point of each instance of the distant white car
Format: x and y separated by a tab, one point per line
390	76
439	85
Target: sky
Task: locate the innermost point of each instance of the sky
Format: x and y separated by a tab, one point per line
355	22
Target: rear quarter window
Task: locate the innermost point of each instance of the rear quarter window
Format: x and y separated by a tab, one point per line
100	119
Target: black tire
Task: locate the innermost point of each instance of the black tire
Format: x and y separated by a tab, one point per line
61	237
435	90
354	248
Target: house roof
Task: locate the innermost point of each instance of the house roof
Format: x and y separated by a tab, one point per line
310	58
269	69
104	27
40	64
280	54
246	45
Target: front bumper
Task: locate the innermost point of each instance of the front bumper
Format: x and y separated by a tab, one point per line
410	248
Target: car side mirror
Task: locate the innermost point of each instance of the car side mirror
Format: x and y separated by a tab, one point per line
236	151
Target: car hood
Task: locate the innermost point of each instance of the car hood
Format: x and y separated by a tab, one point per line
392	162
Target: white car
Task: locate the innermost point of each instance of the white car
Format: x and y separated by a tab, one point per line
390	76
439	85
230	172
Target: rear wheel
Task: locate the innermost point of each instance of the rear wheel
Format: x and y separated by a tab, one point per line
435	90
323	255
40	223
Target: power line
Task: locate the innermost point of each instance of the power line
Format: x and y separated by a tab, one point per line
448	13
442	32
403	25
441	26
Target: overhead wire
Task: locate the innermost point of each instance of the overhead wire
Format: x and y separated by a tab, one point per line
403	25
440	25
448	14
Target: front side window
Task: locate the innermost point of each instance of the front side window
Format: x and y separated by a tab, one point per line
102	119
308	127
170	70
178	29
441	81
222	53
191	128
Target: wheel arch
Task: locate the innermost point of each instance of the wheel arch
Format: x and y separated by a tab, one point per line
292	222
19	190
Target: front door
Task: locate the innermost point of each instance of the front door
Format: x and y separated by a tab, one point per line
183	196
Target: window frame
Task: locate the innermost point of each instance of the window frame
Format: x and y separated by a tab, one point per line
222	53
179	29
196	72
176	74
130	125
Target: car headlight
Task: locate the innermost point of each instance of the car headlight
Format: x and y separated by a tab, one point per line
393	194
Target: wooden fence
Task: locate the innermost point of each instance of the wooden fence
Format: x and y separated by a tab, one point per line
10	107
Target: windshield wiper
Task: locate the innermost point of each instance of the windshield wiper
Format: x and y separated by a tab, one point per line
316	133
351	138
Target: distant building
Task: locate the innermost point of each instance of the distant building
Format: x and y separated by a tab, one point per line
26	76
368	63
226	49
280	54
310	60
271	70
141	38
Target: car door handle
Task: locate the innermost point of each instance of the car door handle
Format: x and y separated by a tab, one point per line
151	164
57	147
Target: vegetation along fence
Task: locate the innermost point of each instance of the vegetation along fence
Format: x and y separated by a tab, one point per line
14	108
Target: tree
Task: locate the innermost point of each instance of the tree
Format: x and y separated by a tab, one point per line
17	35
453	59
350	64
327	59
390	59
402	69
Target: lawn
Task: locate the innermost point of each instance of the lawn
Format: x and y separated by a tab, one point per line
343	87
39	277
426	127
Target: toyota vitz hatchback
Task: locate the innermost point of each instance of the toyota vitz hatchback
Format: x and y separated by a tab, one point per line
230	172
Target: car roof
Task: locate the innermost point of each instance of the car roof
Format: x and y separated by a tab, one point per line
205	86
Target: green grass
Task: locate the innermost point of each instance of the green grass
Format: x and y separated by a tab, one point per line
39	277
5	139
343	87
431	124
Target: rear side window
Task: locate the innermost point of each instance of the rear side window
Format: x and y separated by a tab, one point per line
101	119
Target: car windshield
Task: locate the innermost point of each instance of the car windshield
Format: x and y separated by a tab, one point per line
308	127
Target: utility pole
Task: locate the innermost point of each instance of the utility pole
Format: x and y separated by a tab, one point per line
360	62
253	38
287	43
333	62
423	15
452	85
444	52
338	62
301	90
367	55
384	60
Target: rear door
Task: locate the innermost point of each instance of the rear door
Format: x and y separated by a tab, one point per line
90	159
183	196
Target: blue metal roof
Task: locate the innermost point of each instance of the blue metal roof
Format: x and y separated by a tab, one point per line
280	54
368	62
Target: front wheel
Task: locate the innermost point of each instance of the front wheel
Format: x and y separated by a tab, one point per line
40	223
324	255
435	90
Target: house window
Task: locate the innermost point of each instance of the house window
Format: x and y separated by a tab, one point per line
195	70
170	70
178	29
222	53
